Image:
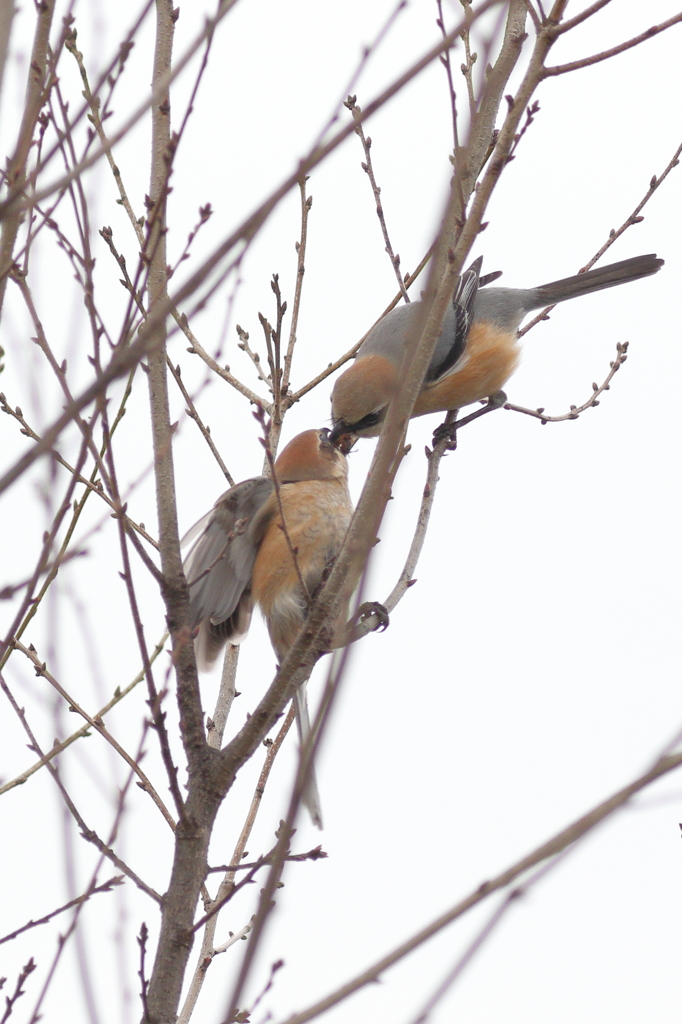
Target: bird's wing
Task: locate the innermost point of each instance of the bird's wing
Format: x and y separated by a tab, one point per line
218	567
451	344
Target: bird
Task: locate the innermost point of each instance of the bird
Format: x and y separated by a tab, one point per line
243	555
476	351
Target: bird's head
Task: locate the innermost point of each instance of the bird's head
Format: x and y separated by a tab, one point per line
361	396
311	456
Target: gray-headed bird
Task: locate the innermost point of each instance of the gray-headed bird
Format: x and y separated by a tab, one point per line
476	352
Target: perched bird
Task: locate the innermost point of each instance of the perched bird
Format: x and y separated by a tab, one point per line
241	556
476	352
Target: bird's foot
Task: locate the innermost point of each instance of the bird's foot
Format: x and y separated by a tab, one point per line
495	401
447	431
374	608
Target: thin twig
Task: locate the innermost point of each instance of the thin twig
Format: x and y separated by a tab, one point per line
41	670
531	111
571	23
205	213
84	731
537	24
553	847
30	602
463	960
197	349
233	939
597	58
592	401
82	217
273	345
243	344
92	485
274	968
635	217
488	928
94	103
352	352
88	834
194	415
144	983
471	58
227	886
317	853
301	246
107	886
10	1001
406	578
615	233
58	369
33	231
10	589
366	141
367	52
447	64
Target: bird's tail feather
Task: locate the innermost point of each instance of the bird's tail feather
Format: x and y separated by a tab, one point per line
310	796
595	280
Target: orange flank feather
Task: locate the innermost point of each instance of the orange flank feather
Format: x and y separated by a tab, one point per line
490	359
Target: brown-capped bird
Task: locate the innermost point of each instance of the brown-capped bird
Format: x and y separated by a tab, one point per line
240	556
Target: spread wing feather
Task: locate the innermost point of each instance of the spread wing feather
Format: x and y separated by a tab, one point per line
218	567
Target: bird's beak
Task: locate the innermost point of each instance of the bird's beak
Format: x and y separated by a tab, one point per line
341	437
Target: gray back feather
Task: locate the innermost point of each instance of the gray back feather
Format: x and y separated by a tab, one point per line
503	308
392	335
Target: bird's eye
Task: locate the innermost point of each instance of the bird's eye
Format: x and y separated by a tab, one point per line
370	420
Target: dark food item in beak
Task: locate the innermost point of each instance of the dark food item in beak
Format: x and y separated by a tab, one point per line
344	442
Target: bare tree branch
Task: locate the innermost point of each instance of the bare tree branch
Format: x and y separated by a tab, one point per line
366	141
227	886
84	731
38	82
41	670
592	401
105	887
634	218
301	247
88	834
124	359
585	62
551	848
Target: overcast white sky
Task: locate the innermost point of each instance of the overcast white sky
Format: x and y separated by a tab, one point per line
533	669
